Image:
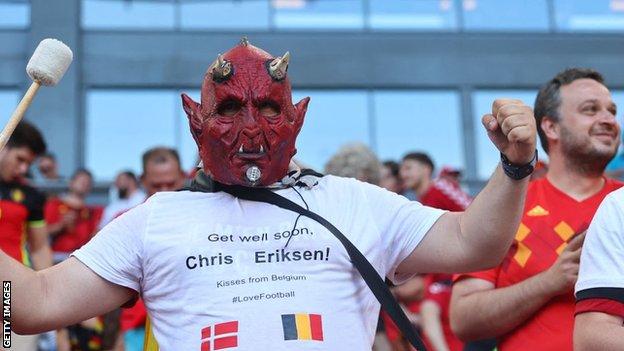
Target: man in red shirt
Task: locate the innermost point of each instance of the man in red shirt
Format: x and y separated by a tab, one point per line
23	234
527	301
416	172
434	311
71	222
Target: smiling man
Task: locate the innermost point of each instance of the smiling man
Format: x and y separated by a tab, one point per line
527	301
245	127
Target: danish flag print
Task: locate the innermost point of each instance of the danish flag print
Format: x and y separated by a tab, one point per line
219	336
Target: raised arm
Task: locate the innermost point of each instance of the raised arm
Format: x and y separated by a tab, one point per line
479	237
57	296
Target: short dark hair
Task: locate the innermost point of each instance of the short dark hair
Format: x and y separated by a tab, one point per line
420	157
548	99
393	166
27	135
49	155
80	171
130	175
160	155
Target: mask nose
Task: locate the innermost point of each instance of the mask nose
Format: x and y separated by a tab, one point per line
251	132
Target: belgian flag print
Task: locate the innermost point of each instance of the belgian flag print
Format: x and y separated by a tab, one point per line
302	326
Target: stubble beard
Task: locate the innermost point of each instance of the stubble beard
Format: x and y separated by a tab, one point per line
582	157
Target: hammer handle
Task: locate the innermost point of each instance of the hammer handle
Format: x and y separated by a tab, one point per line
18	114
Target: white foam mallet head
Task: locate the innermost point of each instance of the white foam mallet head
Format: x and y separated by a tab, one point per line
49	62
47	66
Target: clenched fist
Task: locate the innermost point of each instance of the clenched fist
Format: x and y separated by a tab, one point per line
511	127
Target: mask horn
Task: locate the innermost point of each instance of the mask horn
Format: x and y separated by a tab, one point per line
221	69
277	67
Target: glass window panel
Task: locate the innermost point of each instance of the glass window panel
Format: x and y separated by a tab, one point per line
334	118
318	14
427	121
595	15
487	154
409	14
186	144
14	14
506	15
225	14
8	102
116	14
618	98
122	124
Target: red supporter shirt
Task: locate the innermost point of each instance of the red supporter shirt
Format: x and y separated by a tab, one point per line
445	195
438	290
21	207
550	220
85	227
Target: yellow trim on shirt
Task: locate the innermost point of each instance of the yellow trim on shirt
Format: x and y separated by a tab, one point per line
149	343
37	224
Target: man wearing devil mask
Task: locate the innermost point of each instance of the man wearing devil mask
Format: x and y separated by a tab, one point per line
218	272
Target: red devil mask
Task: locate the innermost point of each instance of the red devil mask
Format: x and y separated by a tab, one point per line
246	125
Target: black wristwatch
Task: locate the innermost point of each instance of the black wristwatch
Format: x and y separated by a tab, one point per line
518	172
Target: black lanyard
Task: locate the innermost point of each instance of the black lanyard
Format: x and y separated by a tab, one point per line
375	283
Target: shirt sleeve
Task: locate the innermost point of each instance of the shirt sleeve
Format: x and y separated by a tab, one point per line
403	225
115	253
600	284
35	209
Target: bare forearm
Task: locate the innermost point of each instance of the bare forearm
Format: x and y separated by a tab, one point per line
432	326
491	313
490	222
41	257
25	284
598	334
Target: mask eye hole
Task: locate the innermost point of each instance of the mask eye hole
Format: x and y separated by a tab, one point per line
269	108
229	107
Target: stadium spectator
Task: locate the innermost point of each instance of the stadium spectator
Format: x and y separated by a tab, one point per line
390	178
71	222
357	161
527	301
434	312
128	195
48	168
23	234
416	172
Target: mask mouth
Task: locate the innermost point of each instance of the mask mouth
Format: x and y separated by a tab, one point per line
249	152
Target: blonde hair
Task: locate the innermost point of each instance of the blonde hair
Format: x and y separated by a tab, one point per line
355	160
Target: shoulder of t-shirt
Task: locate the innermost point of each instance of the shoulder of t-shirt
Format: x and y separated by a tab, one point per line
33	198
338	184
166	196
616	196
342	185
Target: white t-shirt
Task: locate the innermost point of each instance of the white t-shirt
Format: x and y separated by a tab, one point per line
214	269
602	258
